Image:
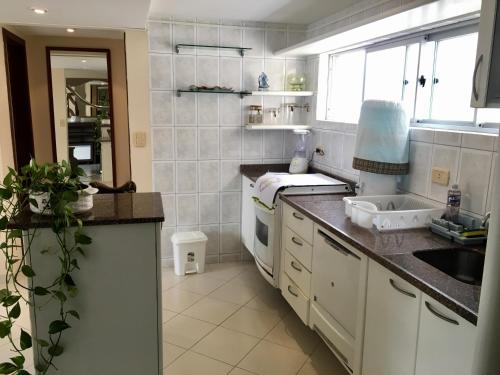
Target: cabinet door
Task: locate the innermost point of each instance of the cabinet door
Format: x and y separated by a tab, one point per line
485	80
391	328
336	275
248	214
446	341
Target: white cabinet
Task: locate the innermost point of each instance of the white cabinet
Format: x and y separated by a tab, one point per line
391	323
486	80
248	214
338	290
446	342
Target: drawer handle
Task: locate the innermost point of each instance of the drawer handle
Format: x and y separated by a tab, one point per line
291	291
439	315
336	246
474	77
295	267
400	290
296	241
297	216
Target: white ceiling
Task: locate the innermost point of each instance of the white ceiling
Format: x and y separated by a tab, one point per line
102	14
94	63
282	11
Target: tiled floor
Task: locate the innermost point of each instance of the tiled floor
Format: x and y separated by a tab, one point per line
228	320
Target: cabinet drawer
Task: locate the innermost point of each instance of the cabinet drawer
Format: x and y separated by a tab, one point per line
298	273
296	299
298	247
298	222
339	342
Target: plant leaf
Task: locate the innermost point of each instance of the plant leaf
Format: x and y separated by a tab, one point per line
82	239
7	368
58	326
5	193
74	263
60	295
40	291
42	343
74	313
22	372
15	233
5	327
3	222
68	280
10	300
15	311
55	350
18	360
27	271
25	340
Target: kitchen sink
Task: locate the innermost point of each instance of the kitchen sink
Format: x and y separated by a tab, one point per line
465	265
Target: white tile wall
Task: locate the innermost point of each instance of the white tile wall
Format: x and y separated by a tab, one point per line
199	140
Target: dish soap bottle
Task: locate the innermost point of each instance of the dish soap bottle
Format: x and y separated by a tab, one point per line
453	203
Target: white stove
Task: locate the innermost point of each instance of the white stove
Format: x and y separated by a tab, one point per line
268	212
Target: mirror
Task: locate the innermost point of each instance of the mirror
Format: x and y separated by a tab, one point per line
82	108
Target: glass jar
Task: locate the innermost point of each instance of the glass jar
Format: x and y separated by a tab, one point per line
255	114
273	116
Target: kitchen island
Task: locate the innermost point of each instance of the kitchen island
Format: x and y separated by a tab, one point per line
119	287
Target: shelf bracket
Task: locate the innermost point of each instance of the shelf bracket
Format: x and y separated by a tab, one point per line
178	93
242	52
177	48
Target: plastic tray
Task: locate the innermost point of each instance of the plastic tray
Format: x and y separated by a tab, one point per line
394	212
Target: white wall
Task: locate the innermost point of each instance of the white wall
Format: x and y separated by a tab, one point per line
198	140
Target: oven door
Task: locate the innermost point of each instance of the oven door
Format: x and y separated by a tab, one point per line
264	237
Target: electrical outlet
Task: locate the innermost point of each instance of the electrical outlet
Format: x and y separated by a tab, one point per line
140	139
441	176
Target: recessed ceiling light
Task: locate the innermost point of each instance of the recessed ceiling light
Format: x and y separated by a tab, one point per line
84	61
70	30
39	10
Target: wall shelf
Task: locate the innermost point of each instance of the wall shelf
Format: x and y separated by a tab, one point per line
277	127
242	94
282	93
241	49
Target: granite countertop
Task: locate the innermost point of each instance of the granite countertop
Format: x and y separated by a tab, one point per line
394	251
109	209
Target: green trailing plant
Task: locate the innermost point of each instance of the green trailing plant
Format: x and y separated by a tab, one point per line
61	182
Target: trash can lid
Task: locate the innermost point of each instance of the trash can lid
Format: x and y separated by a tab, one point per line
188	237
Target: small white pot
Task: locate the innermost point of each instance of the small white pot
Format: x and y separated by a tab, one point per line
84	203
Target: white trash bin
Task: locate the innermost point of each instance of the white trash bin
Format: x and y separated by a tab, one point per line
189	252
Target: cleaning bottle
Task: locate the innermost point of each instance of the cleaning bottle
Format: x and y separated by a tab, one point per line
453	203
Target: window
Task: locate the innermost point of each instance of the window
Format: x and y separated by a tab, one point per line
430	74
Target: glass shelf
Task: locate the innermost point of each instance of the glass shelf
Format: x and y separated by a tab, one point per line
242	94
241	49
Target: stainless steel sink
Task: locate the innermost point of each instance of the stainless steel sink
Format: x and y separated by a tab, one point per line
462	264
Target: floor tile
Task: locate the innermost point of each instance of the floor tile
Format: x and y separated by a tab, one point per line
167	315
323	362
271	359
270	300
169	278
239	371
252	322
294	334
252	278
211	310
171	353
235	293
226	345
224	271
184	331
200	284
192	363
178	300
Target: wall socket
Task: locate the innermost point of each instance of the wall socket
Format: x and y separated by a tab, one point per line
441	176
140	139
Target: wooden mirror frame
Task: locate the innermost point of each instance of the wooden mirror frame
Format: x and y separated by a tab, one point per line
107	51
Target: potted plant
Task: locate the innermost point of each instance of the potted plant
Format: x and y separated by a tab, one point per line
53	189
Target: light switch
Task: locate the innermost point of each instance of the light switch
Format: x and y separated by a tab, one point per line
140	139
441	176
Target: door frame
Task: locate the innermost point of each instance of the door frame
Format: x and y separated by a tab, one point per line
9	37
107	51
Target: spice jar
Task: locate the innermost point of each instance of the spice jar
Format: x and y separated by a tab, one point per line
255	114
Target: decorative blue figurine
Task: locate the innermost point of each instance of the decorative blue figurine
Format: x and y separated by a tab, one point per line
263	82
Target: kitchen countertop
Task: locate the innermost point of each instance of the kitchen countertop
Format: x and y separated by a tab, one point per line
394	251
109	209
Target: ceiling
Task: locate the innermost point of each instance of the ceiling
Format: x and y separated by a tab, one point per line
102	14
85	62
281	11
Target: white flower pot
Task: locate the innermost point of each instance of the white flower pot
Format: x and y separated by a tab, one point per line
84	203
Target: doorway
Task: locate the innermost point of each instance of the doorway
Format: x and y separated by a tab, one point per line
19	99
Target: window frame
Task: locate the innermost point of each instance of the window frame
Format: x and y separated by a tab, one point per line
432	35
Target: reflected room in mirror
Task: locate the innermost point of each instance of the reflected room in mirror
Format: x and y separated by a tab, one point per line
81	99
